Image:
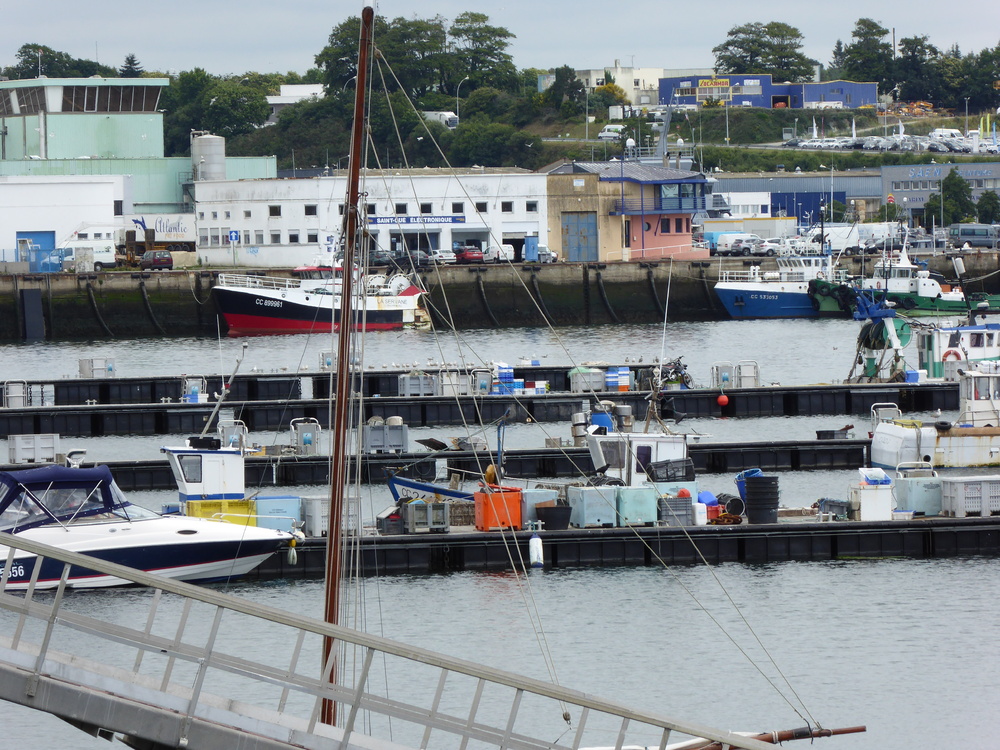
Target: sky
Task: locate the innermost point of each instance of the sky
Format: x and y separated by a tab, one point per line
269	37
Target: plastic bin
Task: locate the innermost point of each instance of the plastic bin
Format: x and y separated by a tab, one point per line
741	481
240	512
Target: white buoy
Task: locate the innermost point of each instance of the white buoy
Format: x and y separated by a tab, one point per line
535	556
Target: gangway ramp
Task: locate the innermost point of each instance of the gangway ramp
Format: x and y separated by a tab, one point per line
172	665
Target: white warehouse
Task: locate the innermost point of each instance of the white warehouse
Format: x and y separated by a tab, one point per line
275	223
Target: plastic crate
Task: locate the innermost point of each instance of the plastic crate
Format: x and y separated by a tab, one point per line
674	470
970	496
240	512
675	511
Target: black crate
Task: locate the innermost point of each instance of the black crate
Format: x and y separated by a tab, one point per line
675	470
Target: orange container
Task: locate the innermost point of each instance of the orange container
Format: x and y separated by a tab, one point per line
714	511
498	509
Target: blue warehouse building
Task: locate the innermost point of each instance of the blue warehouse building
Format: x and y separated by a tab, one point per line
760	91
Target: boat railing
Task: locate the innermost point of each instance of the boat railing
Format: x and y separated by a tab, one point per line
158	661
753	274
244	281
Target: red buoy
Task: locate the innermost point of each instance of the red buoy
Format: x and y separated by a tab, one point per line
722	400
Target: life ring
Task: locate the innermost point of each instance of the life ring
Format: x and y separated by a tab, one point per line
947	356
820	275
878	284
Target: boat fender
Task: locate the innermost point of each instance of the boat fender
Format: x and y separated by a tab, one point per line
824	290
909	303
942	426
952	354
535	555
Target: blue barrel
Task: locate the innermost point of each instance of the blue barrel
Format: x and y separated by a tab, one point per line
741	481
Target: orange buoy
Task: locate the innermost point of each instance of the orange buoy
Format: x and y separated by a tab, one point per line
722	400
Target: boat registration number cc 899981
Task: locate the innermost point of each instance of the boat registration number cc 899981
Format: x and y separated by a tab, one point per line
268	302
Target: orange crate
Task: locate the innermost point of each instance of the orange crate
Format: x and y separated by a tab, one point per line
499	509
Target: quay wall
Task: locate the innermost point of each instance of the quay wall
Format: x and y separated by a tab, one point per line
123	304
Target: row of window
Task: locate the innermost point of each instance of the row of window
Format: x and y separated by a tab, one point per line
987	184
401	209
219	237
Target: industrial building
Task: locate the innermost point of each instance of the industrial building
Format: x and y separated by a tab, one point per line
759	90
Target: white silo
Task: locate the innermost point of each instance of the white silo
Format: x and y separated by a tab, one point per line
208	156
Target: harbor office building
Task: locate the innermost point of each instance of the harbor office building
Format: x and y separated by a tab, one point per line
624	211
758	90
282	223
909	186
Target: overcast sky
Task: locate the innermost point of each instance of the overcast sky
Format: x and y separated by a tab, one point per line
268	37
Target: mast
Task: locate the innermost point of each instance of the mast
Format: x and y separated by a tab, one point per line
338	452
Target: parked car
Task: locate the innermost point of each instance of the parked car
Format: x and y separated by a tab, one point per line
379	257
771	246
153	260
443	256
407	260
468	254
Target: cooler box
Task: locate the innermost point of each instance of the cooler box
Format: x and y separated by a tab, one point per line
874	502
531	498
279	512
500	509
592	506
637	506
234	511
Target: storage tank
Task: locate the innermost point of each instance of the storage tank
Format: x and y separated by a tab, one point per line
208	157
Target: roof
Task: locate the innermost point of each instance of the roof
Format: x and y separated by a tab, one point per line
91	81
630	171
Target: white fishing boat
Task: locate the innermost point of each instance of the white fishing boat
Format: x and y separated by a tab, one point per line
973	439
784	293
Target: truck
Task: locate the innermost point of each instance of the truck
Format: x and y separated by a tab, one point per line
448	119
852	238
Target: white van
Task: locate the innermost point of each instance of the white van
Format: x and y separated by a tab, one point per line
77	255
502	254
611	133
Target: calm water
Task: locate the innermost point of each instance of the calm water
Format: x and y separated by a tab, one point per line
907	647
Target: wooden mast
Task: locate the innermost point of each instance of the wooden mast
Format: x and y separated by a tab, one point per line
338	457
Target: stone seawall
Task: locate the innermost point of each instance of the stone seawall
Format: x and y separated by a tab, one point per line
122	304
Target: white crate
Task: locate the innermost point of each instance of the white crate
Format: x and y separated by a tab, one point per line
970	496
33	449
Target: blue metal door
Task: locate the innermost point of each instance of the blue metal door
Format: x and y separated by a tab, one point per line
36	249
579	236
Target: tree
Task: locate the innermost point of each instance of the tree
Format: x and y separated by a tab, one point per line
917	69
773	48
869	56
565	87
339	58
836	67
958	203
988	207
130	68
232	109
32	57
483	51
415	51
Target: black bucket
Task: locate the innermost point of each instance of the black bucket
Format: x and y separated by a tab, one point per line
762	499
554	517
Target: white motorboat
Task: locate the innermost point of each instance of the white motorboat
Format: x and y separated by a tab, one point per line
84	510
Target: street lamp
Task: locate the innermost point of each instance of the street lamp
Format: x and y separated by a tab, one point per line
967	118
457	89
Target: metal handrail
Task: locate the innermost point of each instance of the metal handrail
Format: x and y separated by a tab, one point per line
171	648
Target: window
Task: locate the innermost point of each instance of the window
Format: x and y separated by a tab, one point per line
507	207
400	209
275	238
312	237
203	236
678	225
224	234
531	207
226	215
628	233
190	467
426	208
311	209
215	214
201	214
82	236
214	238
293	236
246	214
274	210
481	207
340	209
370	209
458	208
119	208
246	237
258	236
664	226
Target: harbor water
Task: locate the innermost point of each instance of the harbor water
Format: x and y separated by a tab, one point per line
904	646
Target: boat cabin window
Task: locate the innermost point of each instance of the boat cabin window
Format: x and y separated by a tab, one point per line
984	387
976	339
23	511
190	468
955	339
72	501
643	455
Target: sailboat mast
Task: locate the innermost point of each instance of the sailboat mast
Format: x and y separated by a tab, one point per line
338	454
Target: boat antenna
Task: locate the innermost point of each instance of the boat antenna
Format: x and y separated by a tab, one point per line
225	390
338	452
